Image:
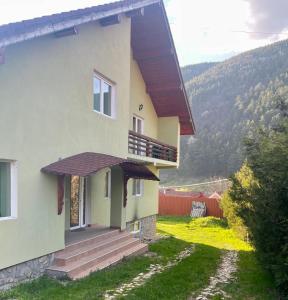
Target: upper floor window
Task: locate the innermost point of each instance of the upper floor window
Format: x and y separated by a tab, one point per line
7	189
103	96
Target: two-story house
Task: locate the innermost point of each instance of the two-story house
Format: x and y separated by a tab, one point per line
92	106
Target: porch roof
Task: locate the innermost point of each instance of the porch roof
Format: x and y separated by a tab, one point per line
89	163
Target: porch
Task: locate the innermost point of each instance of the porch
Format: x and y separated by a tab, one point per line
93	249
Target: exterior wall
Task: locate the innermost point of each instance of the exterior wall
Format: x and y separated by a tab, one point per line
139	207
169	133
118	212
138	96
46	98
100	205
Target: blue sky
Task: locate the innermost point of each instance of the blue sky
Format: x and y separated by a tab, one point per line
203	30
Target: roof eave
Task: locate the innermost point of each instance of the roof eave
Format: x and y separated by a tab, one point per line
52	28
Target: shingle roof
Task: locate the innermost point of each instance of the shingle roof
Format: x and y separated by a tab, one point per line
89	163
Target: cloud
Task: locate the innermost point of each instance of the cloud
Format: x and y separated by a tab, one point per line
269	18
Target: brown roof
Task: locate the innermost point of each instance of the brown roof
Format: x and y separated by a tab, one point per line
152	44
89	163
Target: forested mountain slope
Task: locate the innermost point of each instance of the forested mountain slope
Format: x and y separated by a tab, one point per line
228	100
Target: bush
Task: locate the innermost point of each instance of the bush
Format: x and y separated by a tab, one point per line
259	196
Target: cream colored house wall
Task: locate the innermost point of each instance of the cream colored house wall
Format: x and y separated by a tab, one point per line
46	100
146	205
100	205
138	96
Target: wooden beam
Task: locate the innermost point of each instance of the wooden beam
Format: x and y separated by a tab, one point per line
163	88
66	32
152	53
60	183
135	13
2	56
112	20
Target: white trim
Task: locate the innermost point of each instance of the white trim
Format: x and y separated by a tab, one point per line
51	28
13	190
103	81
81	206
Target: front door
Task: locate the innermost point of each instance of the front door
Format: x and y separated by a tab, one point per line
78	202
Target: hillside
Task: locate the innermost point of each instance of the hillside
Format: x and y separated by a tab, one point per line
189	72
229	100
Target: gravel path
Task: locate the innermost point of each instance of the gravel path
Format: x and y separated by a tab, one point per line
226	273
141	278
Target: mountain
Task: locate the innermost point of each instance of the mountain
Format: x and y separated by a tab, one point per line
229	100
189	72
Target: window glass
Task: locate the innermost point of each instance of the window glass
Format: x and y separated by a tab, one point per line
137	187
107	184
107	91
5	189
97	94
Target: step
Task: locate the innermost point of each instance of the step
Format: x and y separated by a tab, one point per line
136	250
65	256
88	261
94	239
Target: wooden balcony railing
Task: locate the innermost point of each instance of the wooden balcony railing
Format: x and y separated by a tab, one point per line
145	146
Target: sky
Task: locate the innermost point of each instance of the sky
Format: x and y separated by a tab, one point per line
203	30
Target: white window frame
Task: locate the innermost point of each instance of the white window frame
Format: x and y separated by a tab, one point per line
108	183
137	118
113	101
138	223
140	194
13	191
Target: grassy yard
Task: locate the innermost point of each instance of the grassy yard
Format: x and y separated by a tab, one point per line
210	236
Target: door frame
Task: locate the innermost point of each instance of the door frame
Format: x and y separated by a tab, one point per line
83	205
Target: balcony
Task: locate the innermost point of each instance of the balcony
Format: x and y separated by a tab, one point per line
142	145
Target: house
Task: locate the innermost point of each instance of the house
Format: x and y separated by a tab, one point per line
92	107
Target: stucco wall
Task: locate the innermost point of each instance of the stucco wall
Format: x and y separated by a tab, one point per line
146	205
100	205
139	97
46	98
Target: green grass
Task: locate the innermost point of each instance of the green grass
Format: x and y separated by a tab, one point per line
209	235
94	286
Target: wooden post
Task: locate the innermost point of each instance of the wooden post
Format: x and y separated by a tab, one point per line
60	182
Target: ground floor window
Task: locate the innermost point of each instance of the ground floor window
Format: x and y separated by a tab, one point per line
7	189
137	187
136	226
108	184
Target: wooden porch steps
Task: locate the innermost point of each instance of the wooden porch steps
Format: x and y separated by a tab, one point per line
79	259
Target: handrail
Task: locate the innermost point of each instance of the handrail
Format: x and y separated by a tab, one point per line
142	145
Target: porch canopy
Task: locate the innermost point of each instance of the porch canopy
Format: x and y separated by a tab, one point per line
89	163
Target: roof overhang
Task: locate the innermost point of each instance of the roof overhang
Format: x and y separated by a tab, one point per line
152	44
89	163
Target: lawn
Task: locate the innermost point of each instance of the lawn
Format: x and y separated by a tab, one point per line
209	235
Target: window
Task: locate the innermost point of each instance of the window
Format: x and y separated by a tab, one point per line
138	127
108	184
136	226
103	96
137	187
7	189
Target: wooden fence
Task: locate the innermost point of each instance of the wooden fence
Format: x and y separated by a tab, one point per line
180	205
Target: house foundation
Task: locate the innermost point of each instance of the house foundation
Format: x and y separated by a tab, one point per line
147	230
23	272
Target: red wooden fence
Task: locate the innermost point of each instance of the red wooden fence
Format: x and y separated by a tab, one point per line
181	205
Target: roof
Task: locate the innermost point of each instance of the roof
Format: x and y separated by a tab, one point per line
152	44
215	195
89	163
